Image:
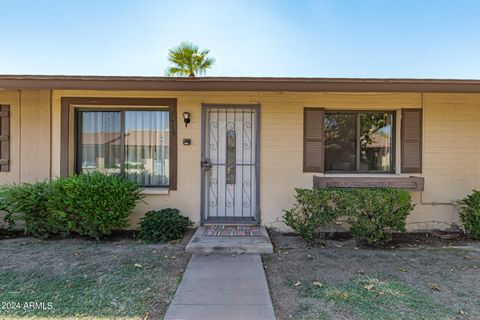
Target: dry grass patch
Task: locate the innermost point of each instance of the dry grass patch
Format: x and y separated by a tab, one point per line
371	298
90	280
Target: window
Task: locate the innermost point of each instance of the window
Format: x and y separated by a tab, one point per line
134	143
359	141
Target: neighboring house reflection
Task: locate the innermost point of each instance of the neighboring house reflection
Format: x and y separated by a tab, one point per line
146	153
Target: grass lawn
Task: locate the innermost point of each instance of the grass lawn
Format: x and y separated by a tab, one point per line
76	278
339	280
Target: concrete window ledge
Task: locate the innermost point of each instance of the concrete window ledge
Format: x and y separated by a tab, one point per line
149	191
399	182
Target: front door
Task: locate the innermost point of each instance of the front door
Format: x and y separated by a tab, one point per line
230	164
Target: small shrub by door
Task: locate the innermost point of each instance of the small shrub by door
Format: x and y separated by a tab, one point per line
163	225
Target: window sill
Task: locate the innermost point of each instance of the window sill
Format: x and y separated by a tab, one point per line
362	174
368	181
150	191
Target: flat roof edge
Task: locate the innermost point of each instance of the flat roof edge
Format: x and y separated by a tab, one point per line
239	84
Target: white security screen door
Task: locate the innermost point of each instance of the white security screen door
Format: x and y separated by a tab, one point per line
230	164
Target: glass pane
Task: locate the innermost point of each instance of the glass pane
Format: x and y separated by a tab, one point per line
376	131
340	141
146	147
231	156
100	142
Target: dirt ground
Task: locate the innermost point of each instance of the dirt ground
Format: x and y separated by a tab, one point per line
116	279
414	278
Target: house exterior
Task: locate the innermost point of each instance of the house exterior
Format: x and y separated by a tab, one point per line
250	141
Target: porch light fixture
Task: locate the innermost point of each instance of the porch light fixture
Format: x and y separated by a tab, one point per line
186	118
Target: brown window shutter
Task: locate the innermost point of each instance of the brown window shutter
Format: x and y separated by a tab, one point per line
4	138
313	140
411	144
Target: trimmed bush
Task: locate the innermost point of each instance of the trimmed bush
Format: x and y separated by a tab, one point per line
94	204
469	209
379	212
373	214
163	225
6	224
90	204
315	209
29	202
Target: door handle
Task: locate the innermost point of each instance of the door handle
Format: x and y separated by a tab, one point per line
206	164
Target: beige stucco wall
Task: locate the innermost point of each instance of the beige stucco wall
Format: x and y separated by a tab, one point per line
451	156
35	135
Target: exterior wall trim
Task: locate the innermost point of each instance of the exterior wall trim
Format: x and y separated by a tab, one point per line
67	102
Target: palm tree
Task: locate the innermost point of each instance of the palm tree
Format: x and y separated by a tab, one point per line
187	61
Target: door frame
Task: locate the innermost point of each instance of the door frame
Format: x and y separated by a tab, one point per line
205	107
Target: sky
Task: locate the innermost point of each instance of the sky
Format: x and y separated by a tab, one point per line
278	38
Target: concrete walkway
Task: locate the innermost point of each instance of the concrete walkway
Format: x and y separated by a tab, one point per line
223	287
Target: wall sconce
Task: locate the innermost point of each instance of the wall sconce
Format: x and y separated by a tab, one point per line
186	118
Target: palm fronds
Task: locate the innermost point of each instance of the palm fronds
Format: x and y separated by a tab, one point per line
187	61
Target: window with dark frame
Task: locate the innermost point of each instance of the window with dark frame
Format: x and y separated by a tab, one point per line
359	141
130	142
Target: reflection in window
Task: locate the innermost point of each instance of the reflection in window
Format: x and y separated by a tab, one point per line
100	148
143	153
340	142
376	141
359	141
231	156
146	147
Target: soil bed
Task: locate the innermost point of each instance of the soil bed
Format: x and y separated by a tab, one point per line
417	276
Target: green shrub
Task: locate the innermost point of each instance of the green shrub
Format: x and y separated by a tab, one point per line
30	201
91	204
379	212
315	209
469	208
163	225
373	214
6	223
94	204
